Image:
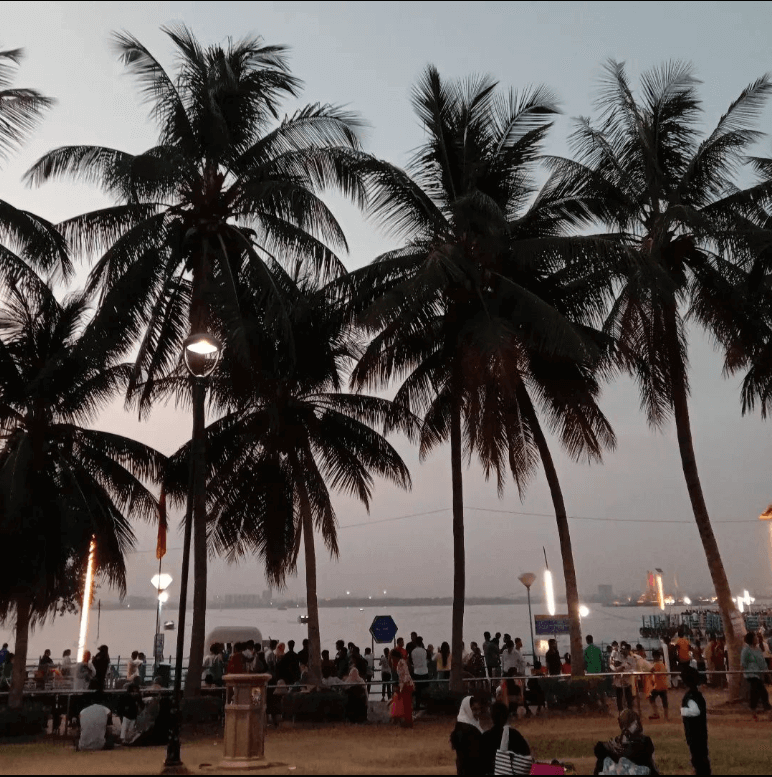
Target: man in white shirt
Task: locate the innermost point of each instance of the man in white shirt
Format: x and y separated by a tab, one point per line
94	722
420	669
519	658
623	667
509	658
133	665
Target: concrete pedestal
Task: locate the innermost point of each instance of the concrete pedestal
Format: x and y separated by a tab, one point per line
245	701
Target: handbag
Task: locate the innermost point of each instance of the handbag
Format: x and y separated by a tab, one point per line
508	762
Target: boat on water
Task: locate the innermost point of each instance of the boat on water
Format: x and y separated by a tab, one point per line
302	618
702	619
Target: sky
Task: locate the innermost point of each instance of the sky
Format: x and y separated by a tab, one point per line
367	56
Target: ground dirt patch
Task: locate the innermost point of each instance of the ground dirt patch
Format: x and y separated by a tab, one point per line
738	746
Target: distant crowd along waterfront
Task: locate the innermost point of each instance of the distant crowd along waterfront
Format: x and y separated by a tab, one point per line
487	665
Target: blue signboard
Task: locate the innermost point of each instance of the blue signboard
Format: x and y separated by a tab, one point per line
551	625
383	629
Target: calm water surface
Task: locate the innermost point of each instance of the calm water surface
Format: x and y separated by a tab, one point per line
127	630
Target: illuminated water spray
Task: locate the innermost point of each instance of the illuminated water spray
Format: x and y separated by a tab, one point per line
550	591
87	589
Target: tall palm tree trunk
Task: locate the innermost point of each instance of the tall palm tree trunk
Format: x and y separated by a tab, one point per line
198	323
734	630
198	621
312	603
564	534
459	560
19	676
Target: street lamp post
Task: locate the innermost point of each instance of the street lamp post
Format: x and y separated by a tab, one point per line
160	582
201	353
527	579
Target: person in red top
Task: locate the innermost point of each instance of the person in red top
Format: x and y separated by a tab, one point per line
401	648
237	663
566	667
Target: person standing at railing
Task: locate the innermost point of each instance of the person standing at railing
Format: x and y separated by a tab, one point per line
66	665
6	671
592	657
101	664
84	672
420	670
754	666
132	666
622	668
385	667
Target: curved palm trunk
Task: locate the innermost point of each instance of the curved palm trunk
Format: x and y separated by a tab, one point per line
566	552
312	603
19	676
459	560
198	621
734	629
198	323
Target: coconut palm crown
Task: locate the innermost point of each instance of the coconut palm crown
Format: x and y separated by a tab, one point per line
645	170
62	482
485	312
275	461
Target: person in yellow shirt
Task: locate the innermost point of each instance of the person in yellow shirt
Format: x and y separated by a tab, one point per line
659	689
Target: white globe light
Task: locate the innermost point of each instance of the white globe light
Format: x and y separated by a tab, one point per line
584	610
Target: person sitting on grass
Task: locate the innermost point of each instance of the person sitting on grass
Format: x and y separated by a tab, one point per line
632	748
494	740
96	725
694	712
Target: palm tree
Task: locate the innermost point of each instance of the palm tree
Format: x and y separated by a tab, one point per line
485	310
275	459
28	243
226	190
62	483
645	172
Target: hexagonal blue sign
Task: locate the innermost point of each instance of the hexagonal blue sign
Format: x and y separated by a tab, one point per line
383	629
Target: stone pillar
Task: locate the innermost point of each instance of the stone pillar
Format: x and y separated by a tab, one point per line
245	701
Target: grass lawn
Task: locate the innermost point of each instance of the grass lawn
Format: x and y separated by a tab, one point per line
737	746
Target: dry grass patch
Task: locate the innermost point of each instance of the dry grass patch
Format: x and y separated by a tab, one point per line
738	746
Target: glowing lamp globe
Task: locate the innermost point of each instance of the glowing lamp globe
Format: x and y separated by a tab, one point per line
202	352
161	582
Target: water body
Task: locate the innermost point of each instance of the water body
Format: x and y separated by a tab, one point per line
126	630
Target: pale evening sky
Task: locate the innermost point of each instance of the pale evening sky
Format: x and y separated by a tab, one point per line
368	56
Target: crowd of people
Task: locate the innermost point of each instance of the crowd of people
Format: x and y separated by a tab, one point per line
502	749
496	673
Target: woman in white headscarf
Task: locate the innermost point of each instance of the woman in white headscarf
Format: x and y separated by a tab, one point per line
466	738
356	697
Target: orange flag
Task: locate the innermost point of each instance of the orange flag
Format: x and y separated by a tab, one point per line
160	548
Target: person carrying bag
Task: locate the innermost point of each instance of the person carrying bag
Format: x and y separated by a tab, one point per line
508	762
505	750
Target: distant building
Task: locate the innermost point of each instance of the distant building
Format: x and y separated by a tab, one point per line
605	594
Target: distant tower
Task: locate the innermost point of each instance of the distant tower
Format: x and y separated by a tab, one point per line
605	594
